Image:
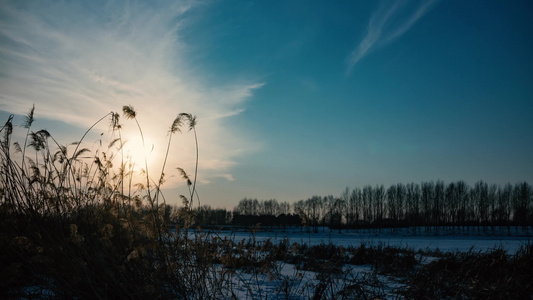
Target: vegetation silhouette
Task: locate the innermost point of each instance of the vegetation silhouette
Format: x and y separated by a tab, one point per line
432	205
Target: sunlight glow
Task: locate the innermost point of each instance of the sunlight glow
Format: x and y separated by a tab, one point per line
84	63
139	156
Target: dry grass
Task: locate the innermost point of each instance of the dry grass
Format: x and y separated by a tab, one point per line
475	275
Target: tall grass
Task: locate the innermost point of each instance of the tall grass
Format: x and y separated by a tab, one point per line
70	226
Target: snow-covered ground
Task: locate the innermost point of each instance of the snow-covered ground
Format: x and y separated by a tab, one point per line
443	239
287	280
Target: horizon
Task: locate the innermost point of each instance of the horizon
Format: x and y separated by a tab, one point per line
293	99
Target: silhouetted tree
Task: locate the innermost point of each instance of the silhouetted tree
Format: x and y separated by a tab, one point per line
451	205
353	208
504	207
378	203
480	195
438	202
521	203
493	199
427	202
367	204
412	201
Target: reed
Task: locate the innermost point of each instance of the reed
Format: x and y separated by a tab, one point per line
68	225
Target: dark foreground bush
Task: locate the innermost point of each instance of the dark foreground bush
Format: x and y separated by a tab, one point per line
322	258
475	275
385	259
76	257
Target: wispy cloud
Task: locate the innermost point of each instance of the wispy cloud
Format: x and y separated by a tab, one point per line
77	60
228	177
389	22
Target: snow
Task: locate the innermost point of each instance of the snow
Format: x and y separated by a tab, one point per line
443	239
286	281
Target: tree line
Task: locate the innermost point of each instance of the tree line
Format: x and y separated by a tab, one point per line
430	204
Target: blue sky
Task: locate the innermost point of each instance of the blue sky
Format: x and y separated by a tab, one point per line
293	98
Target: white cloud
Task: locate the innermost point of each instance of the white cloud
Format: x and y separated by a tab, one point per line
386	25
228	177
78	61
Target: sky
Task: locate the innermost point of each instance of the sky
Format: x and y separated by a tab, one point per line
293	98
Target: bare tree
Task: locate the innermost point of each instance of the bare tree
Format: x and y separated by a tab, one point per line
438	203
412	201
480	194
463	202
378	202
492	199
396	203
284	208
315	206
504	209
353	207
427	202
367	204
521	203
451	205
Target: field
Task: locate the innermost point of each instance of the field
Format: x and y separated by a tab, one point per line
102	257
73	226
375	263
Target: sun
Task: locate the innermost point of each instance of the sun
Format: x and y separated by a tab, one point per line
138	156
